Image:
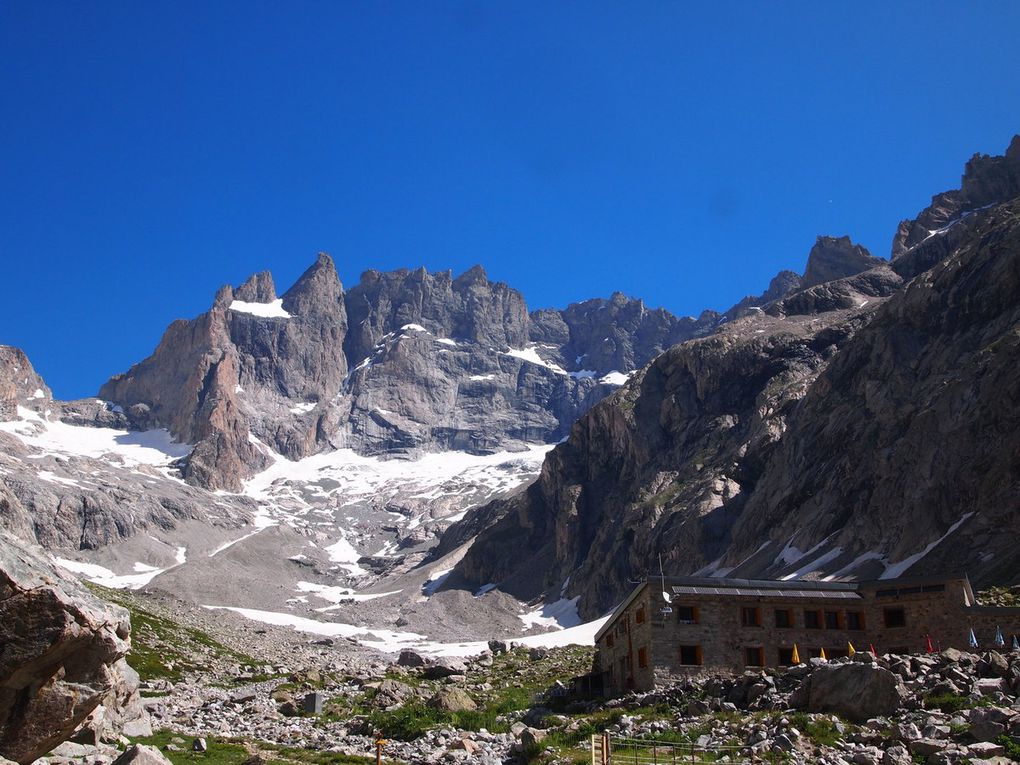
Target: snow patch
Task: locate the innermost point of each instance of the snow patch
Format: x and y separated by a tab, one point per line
103	576
896	569
531	356
560	614
435	581
273	310
129	447
343	552
616	378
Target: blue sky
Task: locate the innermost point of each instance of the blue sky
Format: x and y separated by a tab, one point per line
150	152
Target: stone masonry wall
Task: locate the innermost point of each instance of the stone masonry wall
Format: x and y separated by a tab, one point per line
720	639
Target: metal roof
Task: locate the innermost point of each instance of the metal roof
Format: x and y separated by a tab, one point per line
765	592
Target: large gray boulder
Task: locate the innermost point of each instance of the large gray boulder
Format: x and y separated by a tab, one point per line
855	691
139	754
61	651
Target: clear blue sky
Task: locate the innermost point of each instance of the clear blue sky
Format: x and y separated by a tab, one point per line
150	152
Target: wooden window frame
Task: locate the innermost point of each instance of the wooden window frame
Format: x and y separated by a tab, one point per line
819	619
698	655
642	657
759	652
639	615
755	611
695	614
862	623
790	623
901	619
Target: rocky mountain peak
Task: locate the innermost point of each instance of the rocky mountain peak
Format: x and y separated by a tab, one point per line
257	288
835	258
987	180
317	292
474	275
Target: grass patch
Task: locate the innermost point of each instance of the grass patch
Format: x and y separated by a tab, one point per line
235	752
947	702
164	650
1011	746
822	731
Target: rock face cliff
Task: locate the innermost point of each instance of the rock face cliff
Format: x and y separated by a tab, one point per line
404	362
20	385
862	426
61	654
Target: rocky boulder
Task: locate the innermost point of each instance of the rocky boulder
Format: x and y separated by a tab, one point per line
139	754
452	700
856	691
61	652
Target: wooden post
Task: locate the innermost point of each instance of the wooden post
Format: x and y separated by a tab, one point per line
379	744
606	751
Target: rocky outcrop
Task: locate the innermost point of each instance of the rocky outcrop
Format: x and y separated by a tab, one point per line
986	181
469	308
620	333
60	653
782	284
835	258
19	384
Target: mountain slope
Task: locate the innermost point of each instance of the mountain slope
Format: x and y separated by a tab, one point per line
851	428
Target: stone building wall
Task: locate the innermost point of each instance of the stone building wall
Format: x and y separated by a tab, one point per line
894	617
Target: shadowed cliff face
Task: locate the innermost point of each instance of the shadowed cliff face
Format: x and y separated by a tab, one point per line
857	427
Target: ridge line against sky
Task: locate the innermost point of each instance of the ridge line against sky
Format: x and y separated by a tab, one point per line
680	155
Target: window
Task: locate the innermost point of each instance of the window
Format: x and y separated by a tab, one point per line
610	640
784	617
832	620
642	657
687	614
895	617
785	657
813	620
754	657
639	617
854	620
621	628
750	616
690	655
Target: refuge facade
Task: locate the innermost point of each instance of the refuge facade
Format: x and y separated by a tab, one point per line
738	624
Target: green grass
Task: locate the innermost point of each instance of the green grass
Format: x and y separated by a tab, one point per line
164	650
234	752
948	702
821	731
1012	748
517	685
